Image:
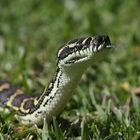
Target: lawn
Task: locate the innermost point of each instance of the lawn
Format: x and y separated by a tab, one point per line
105	105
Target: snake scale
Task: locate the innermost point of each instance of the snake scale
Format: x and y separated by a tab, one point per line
73	58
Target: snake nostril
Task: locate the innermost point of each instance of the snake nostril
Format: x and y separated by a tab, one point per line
106	39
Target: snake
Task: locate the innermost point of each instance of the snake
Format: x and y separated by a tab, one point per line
73	58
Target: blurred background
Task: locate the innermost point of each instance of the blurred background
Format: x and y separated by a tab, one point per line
32	31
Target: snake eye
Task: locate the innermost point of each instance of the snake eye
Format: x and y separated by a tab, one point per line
63	53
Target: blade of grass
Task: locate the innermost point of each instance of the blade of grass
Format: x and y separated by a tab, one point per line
84	131
57	130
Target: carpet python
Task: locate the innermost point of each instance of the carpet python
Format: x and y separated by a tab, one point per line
73	58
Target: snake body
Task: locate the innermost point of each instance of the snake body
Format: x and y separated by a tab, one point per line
73	58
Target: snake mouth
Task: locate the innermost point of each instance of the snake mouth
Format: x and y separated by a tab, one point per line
101	42
111	46
106	45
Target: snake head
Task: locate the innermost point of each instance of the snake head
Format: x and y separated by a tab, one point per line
83	49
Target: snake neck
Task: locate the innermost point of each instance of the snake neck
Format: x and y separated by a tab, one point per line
62	85
54	98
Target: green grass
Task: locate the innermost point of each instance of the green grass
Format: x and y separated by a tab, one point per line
104	106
